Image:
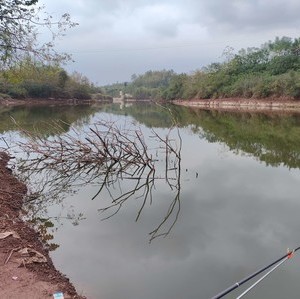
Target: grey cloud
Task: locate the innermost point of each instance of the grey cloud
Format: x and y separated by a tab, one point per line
163	29
239	15
229	16
109	28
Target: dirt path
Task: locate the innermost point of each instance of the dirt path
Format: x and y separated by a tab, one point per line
26	270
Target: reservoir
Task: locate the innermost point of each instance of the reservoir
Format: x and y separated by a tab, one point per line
219	203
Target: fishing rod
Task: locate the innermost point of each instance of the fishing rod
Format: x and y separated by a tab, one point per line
262	278
278	262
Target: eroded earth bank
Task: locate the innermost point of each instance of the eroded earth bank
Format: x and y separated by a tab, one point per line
26	270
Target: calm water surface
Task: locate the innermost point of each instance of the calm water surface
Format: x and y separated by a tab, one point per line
238	207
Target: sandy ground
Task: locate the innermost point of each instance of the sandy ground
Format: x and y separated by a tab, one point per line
26	270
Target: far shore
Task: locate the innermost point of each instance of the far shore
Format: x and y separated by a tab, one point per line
48	101
243	104
226	104
59	101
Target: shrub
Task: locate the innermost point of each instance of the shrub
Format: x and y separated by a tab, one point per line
17	92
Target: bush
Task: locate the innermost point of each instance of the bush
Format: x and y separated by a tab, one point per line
81	94
39	90
4	96
17	92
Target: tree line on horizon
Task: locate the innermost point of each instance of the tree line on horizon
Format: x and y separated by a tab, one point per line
272	70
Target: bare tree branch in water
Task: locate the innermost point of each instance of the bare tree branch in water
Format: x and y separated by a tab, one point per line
7	146
172	150
107	155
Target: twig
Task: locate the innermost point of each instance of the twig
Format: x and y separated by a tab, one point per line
10	254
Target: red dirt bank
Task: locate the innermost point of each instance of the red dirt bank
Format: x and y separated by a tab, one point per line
241	104
33	280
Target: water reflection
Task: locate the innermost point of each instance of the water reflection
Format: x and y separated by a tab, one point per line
235	217
239	205
114	158
39	119
273	138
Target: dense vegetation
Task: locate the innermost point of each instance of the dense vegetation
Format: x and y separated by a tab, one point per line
271	70
147	86
37	80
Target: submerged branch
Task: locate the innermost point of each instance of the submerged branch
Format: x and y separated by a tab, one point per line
107	156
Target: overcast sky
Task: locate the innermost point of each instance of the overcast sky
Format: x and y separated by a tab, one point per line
118	38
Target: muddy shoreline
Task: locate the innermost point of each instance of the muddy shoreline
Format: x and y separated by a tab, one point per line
272	104
48	102
244	105
26	270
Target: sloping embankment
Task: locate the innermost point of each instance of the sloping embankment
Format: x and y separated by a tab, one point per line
242	104
26	270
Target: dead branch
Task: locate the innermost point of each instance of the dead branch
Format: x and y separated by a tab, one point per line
106	155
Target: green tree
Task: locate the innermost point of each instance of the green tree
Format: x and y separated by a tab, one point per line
78	86
62	78
176	87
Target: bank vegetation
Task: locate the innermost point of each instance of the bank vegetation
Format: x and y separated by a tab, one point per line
271	70
27	79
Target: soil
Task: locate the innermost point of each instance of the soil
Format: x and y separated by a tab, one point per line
49	101
270	104
21	276
283	104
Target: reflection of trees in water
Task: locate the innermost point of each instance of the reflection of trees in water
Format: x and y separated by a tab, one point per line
114	158
36	119
272	138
